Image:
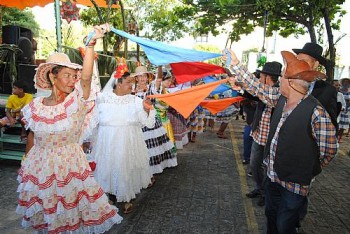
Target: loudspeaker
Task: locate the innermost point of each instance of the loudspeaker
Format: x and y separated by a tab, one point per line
26	74
19	36
12	33
5	79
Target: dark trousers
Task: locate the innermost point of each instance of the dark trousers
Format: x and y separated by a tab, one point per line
247	142
256	160
282	208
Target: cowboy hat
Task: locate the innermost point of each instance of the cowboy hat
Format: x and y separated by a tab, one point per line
314	50
56	59
298	69
271	68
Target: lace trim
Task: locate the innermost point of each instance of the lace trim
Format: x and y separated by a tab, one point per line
39	117
115	99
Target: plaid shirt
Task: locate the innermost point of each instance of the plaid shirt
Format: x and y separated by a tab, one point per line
262	131
323	131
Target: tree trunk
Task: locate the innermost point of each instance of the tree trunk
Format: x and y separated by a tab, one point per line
332	53
124	28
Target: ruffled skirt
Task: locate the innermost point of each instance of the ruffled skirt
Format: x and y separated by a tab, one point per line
58	193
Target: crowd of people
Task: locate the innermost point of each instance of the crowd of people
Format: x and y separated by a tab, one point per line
133	138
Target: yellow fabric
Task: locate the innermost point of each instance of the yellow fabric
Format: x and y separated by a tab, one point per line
185	101
15	103
215	106
169	129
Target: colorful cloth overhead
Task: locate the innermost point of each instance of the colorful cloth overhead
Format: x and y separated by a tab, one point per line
185	101
187	71
160	53
215	106
222	88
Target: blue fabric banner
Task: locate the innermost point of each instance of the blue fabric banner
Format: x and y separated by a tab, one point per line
160	53
220	89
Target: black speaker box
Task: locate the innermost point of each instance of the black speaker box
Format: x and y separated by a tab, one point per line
22	37
26	74
5	79
12	33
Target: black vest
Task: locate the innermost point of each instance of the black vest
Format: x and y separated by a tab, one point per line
297	153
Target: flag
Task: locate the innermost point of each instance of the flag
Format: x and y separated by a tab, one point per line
159	53
185	101
215	106
187	71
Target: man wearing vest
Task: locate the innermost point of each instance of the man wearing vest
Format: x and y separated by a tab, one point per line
302	139
260	129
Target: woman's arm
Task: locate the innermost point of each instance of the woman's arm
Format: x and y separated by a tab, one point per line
88	62
30	141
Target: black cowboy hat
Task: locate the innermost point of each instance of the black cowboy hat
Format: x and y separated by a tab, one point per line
314	50
271	68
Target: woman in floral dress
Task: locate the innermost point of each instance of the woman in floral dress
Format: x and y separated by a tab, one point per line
57	190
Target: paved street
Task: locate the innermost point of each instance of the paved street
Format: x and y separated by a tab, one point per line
205	193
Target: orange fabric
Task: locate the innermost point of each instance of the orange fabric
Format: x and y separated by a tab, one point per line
185	101
215	106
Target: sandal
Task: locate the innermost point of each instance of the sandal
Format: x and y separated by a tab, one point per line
23	138
128	207
153	180
222	135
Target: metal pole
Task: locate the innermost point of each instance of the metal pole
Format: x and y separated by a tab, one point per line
58	26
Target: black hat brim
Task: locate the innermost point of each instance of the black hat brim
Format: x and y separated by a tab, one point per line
318	57
268	73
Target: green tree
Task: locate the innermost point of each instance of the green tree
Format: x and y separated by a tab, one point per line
289	17
25	18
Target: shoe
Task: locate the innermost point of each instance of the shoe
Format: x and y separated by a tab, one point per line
153	180
261	201
221	135
128	207
245	161
253	193
250	174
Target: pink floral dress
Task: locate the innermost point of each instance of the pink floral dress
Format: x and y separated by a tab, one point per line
57	190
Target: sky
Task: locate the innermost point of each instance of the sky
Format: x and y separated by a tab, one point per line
45	16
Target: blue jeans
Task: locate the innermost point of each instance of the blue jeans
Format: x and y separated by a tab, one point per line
247	142
282	208
256	160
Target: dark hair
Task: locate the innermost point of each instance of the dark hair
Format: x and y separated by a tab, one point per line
20	84
54	70
120	80
274	78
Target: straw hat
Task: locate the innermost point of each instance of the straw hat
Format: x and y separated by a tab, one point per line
298	69
56	59
139	71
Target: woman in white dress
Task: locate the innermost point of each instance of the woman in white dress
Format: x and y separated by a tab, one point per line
120	152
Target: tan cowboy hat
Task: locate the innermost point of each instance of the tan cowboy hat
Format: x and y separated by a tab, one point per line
298	69
139	71
56	59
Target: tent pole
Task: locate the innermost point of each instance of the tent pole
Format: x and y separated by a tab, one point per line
58	26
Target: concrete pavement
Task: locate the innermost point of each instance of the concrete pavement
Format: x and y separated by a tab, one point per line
205	193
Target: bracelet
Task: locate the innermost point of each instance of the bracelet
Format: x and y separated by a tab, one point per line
92	42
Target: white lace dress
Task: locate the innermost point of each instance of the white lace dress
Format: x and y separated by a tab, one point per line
120	152
57	190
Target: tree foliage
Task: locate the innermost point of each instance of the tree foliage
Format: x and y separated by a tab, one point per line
288	17
25	18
